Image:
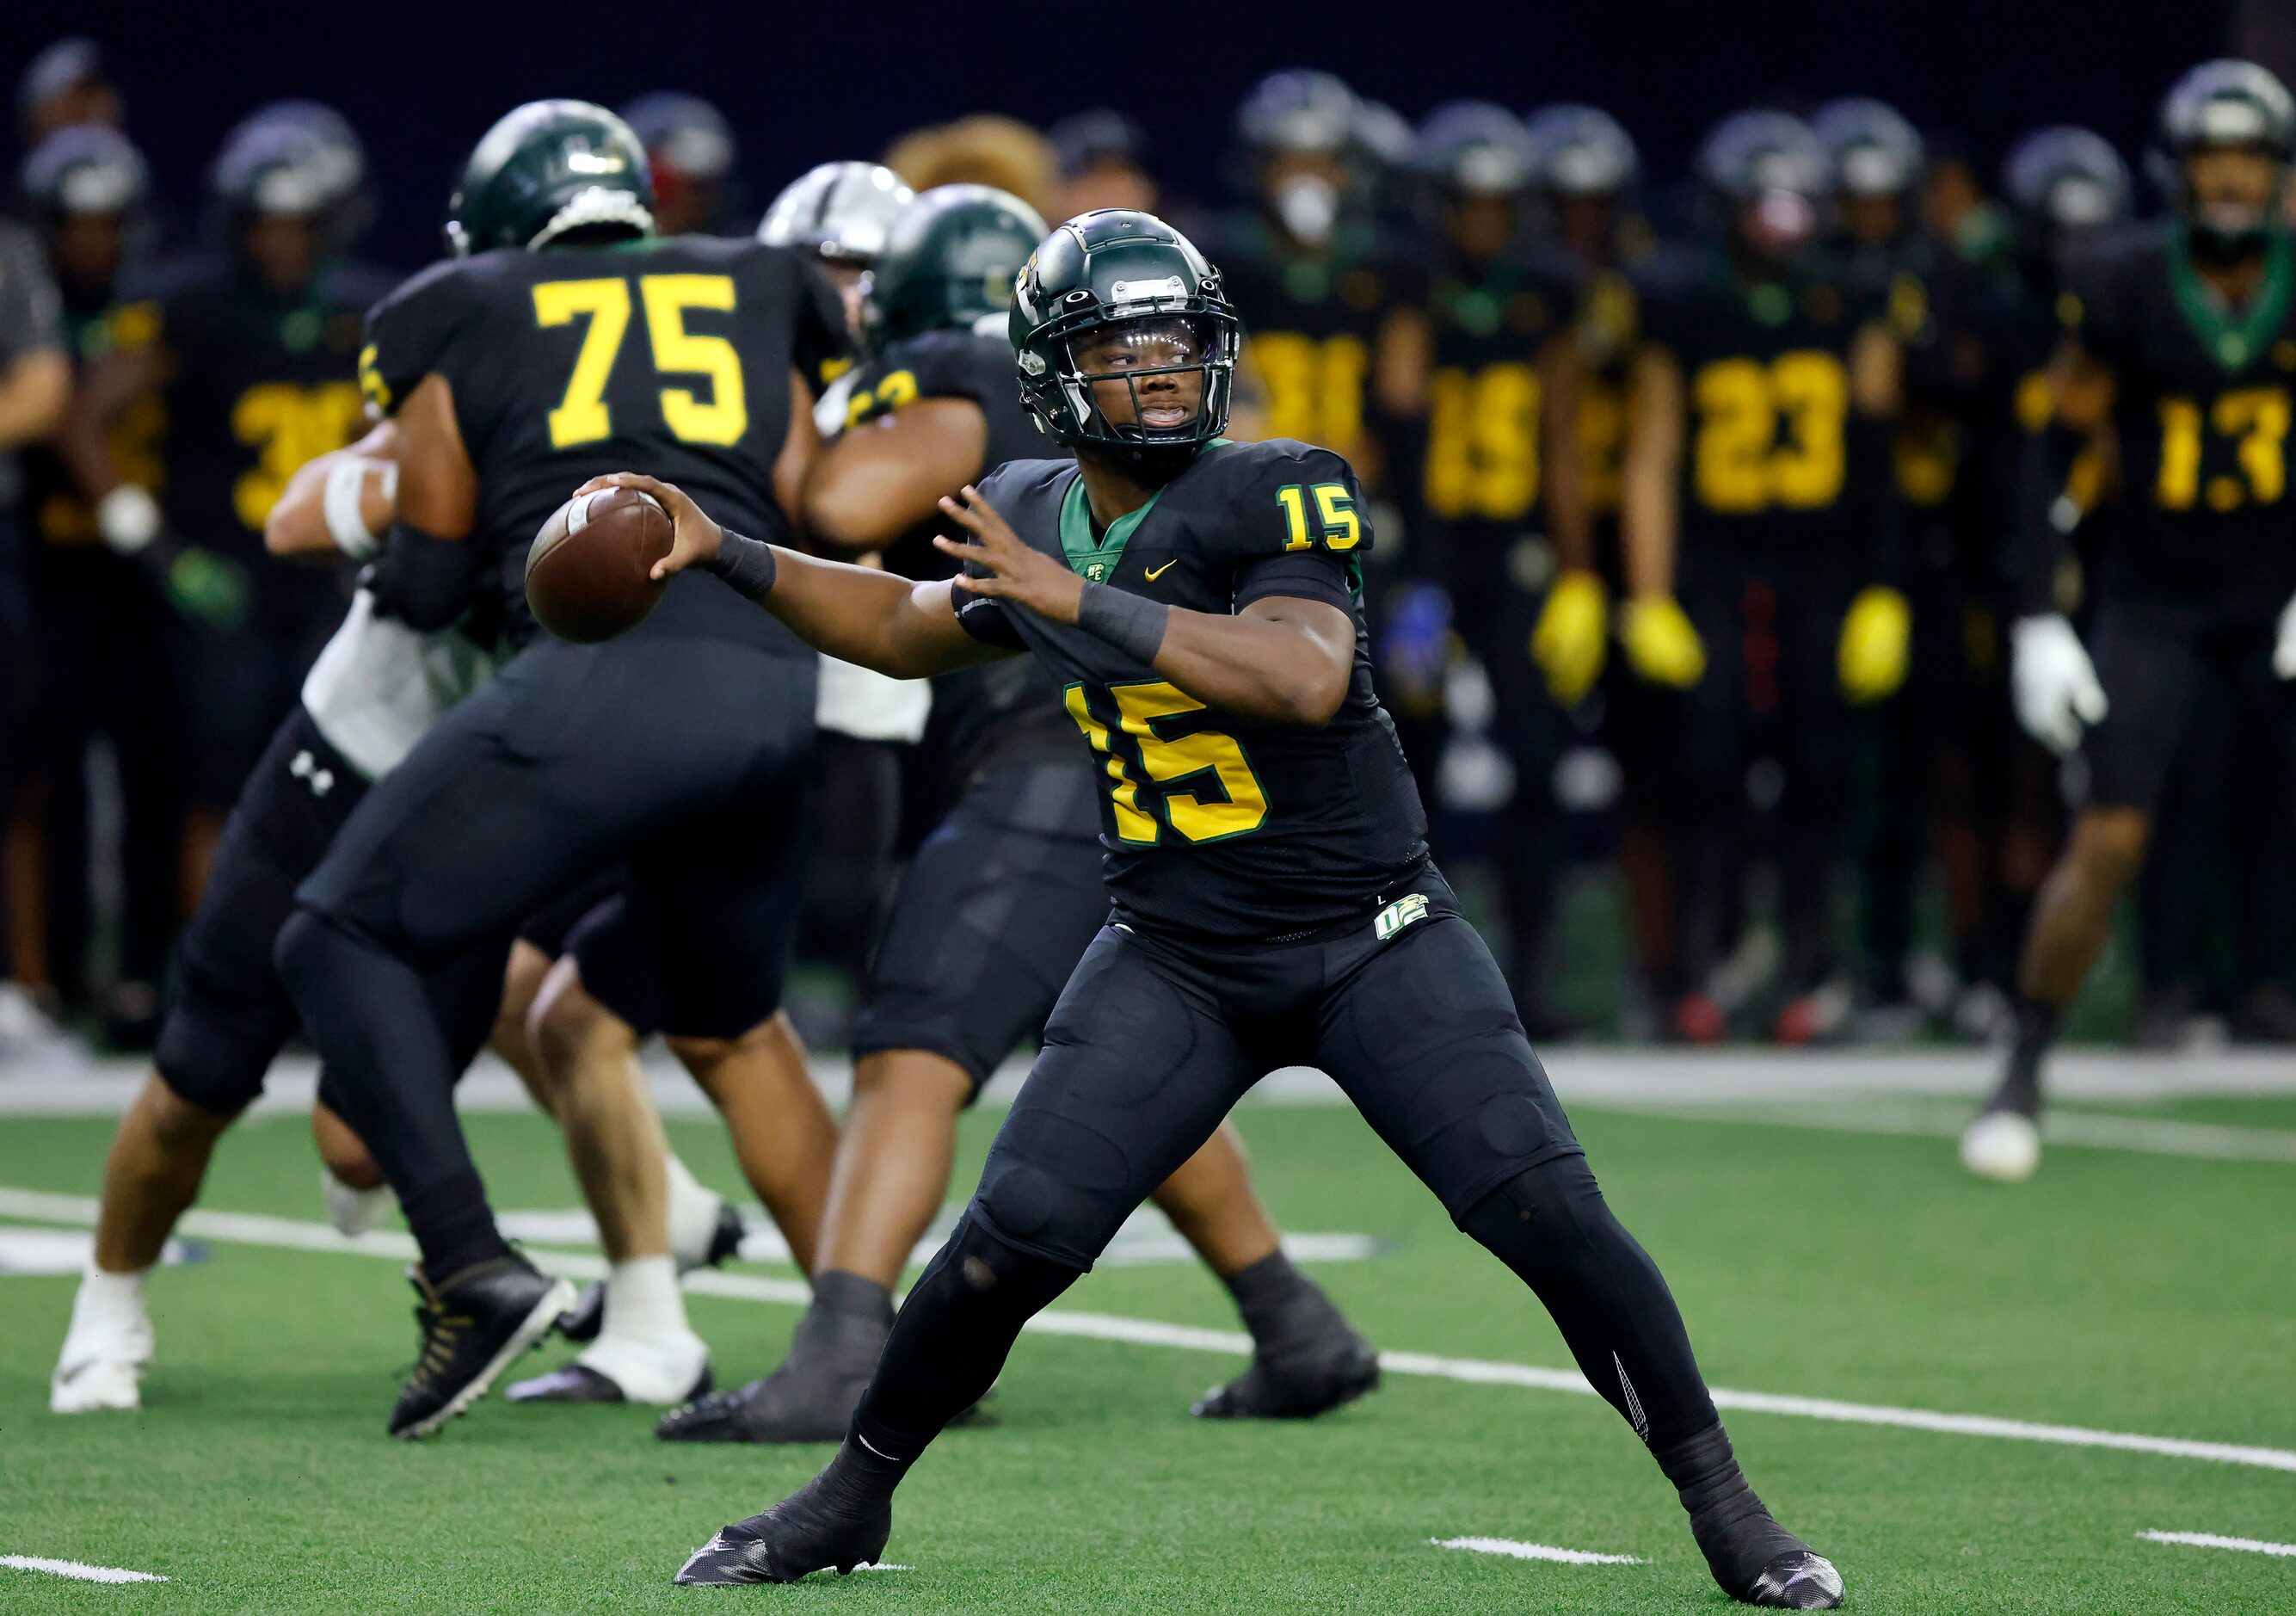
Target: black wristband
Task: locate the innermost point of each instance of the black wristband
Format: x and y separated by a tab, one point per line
745	563
1132	623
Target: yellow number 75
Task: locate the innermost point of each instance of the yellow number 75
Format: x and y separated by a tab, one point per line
583	416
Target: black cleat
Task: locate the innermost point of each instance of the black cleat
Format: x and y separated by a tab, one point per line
578	1382
1796	1580
804	1532
472	1326
1296	1385
810	1399
587	1316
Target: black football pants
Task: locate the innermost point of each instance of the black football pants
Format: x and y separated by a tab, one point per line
1151	1044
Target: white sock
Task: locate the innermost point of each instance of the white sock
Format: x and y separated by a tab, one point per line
109	1308
645	1346
693	1213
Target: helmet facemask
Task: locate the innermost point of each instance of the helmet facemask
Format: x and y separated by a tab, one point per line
1168	378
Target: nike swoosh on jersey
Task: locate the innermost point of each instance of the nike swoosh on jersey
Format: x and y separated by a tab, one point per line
1154	573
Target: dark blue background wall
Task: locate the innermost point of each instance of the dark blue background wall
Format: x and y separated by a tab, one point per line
836	80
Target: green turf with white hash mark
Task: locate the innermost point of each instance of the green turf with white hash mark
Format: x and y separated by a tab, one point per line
2128	1292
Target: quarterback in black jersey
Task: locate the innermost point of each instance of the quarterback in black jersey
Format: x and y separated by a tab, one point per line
1273	899
1757	485
2180	340
565	337
1005	894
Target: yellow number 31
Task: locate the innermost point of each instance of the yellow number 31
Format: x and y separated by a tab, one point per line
582	415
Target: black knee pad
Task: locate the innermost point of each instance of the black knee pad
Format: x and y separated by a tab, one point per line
990	1272
1545	1212
1024	1210
220	1039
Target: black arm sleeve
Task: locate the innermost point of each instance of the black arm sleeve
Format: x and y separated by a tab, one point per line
2042	518
985	620
1306	575
424	581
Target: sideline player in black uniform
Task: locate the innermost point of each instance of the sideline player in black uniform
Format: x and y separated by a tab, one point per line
1757	476
1004	896
1274	901
1497	519
509	372
253	352
100	621
1337	340
2181	339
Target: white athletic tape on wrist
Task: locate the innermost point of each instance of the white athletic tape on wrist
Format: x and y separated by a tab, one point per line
346	491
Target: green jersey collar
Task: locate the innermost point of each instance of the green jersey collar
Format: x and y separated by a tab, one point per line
1093	559
2232	339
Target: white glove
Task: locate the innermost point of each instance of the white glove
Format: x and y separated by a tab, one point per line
2054	682
2284	649
127	519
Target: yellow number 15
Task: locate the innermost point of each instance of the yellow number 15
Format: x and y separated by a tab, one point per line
582	415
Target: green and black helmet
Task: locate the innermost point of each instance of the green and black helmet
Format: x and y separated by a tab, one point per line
547	171
949	263
1118	267
2225	104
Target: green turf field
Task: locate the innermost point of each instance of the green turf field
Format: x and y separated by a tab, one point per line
2121	1291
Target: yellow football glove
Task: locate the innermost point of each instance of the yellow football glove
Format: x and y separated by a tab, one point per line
1874	639
1662	644
1572	636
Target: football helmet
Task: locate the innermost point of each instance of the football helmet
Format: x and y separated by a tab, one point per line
546	170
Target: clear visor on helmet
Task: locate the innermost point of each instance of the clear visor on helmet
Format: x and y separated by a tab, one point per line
1145	347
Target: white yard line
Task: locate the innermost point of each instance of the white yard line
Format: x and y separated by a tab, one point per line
76	1085
1884	1114
1533	1551
241	1228
75	1570
2249	1545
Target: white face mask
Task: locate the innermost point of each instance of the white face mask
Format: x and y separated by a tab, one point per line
1309	206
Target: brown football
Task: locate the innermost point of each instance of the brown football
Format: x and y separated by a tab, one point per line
586	575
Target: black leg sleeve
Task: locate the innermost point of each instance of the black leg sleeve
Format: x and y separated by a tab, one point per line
394	1078
951	1337
1552	1227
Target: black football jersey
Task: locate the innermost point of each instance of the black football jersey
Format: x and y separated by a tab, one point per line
2201	416
1217	826
59	522
1309	325
1771	458
1479	461
670	356
257	385
1001	710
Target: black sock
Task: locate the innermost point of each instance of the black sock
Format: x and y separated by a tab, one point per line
451	1222
950	1340
1552	1227
845	1327
1283	1308
1734	1530
2035	1029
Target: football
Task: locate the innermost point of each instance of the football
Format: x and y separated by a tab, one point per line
587	575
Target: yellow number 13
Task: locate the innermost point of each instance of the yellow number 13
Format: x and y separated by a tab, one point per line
582	415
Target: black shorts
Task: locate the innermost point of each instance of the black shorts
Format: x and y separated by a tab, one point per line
682	759
591	923
2161	666
1153	1040
228	1016
995	909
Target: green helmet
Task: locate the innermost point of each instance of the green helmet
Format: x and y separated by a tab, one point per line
546	169
948	263
1105	268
